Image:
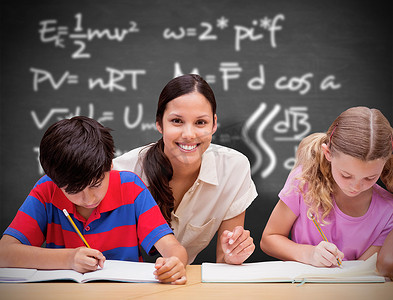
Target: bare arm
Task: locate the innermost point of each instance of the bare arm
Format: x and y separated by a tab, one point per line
385	257
171	267
234	243
15	254
275	241
369	252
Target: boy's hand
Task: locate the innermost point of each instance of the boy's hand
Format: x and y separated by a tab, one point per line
237	245
170	269
86	259
326	255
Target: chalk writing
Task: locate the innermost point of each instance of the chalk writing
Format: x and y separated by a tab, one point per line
114	79
40	76
242	32
59	113
329	83
181	33
222	23
123	80
265	158
295	119
137	120
56	114
50	32
232	71
289	163
263	130
113	83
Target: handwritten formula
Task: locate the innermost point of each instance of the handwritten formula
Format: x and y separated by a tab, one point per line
51	31
287	124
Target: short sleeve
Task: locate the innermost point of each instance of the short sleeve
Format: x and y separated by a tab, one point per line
127	162
384	208
30	222
246	191
381	238
290	193
132	161
151	225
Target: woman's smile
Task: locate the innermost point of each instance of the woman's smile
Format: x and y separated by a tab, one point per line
187	147
187	128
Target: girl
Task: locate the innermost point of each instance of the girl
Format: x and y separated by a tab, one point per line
201	188
334	181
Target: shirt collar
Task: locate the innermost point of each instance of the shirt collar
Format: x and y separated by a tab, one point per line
208	172
111	201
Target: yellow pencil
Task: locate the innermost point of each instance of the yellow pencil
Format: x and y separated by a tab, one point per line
323	235
76	228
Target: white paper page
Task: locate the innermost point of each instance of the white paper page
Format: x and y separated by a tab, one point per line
123	271
19	275
16	274
49	275
286	271
271	270
353	269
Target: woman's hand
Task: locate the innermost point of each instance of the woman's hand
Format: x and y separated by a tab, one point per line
237	245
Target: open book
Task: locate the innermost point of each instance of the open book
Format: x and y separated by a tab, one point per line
290	271
114	270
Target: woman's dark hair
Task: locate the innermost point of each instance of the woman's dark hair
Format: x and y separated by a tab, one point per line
156	164
76	152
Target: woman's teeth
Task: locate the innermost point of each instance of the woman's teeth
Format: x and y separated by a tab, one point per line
187	147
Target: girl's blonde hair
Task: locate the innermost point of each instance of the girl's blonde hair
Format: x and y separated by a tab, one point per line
360	132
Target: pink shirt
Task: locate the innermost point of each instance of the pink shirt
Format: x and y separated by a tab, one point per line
352	235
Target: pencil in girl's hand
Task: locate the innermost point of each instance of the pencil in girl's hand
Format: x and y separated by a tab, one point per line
75	228
322	234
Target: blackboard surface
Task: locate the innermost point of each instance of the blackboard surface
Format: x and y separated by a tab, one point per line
280	70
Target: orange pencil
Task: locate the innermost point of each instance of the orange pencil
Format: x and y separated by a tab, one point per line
76	228
323	235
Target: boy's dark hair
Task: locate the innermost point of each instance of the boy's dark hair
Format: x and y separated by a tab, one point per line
76	152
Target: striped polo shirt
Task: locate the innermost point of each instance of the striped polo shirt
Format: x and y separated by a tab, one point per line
127	217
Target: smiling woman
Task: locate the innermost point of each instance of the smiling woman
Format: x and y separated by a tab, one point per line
201	188
188	124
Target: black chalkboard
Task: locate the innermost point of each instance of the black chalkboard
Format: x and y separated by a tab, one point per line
280	70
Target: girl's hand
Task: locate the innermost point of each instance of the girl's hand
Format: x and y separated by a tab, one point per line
170	269
237	245
326	255
86	259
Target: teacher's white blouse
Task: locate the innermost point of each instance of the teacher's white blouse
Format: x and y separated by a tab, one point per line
223	190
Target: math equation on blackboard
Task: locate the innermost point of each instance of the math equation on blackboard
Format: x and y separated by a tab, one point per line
286	123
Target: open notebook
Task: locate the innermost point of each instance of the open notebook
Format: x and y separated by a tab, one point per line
114	270
290	271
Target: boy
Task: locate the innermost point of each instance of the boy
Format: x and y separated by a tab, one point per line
113	210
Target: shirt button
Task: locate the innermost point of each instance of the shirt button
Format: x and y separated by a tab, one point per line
87	228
